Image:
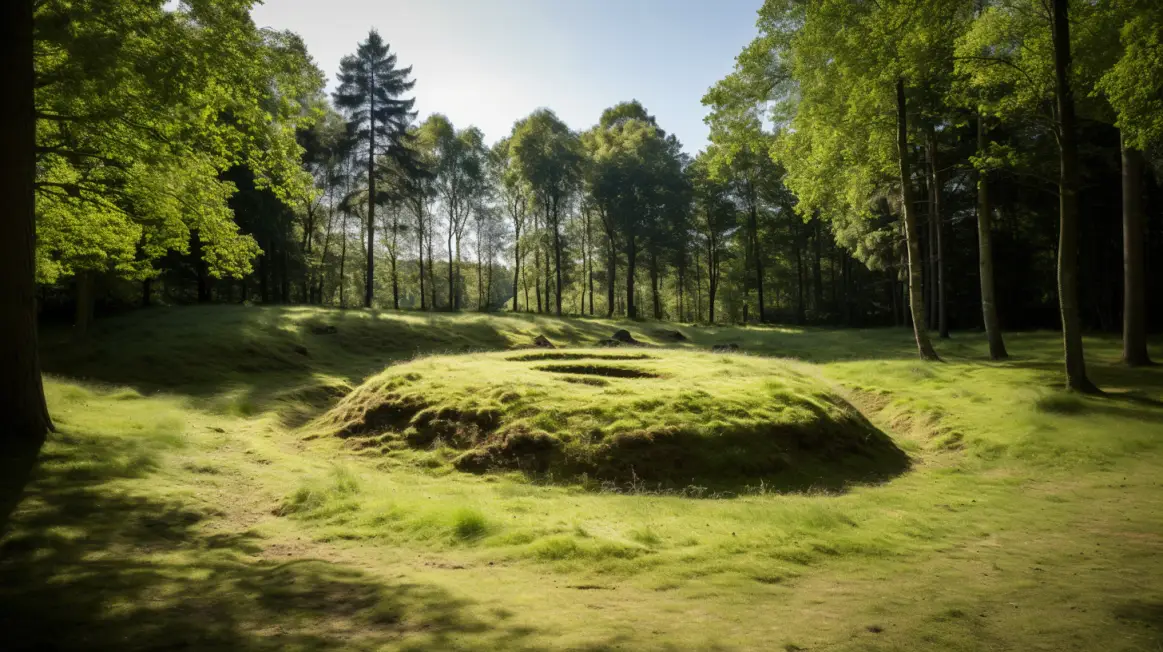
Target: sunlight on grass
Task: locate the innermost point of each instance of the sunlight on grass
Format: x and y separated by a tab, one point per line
184	483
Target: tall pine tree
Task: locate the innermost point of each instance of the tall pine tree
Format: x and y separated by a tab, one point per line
370	86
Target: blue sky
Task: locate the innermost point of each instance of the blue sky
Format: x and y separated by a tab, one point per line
491	62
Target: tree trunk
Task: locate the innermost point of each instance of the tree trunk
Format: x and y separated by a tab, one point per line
754	224
342	262
431	272
817	271
323	252
712	279
1076	378
26	419
698	287
939	231
146	292
798	242
537	275
631	254
656	300
203	280
451	290
557	254
517	264
525	285
590	259
480	274
395	284
916	295
1134	268
305	250
611	274
997	347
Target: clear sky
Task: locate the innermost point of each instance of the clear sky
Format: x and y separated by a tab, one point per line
491	62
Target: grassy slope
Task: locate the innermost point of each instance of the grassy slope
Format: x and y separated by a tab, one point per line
177	505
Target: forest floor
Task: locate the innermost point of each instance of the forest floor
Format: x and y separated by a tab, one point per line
182	503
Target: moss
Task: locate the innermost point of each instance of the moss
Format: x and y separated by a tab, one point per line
670	419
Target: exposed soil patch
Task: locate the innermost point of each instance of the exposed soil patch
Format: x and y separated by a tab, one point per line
608	371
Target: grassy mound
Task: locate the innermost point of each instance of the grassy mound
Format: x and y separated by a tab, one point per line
669	417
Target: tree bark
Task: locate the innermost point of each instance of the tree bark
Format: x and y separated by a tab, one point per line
369	284
997	347
916	295
798	242
420	250
631	255
939	230
395	275
611	273
712	278
557	254
655	298
452	298
1076	378
817	271
537	269
1134	267
431	272
342	262
754	224
517	263
590	260
26	419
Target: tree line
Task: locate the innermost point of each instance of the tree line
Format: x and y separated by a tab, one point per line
943	164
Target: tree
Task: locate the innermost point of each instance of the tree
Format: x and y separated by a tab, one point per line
1133	84
548	157
142	112
370	86
1076	378
20	382
840	154
514	193
459	159
715	219
989	314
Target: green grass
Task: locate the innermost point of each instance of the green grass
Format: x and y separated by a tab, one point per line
676	418
188	497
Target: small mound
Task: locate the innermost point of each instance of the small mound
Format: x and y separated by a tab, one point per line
675	418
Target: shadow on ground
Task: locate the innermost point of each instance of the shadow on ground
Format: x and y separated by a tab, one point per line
91	562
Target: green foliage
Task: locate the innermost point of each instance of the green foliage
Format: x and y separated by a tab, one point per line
140	111
1132	84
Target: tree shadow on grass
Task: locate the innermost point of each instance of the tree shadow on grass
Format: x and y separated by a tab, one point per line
93	560
248	359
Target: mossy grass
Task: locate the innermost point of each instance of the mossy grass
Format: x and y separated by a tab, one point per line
669	418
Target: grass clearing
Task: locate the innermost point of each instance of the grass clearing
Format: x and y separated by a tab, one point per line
184	499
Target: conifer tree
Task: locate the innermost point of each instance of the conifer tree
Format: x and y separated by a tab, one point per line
370	86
